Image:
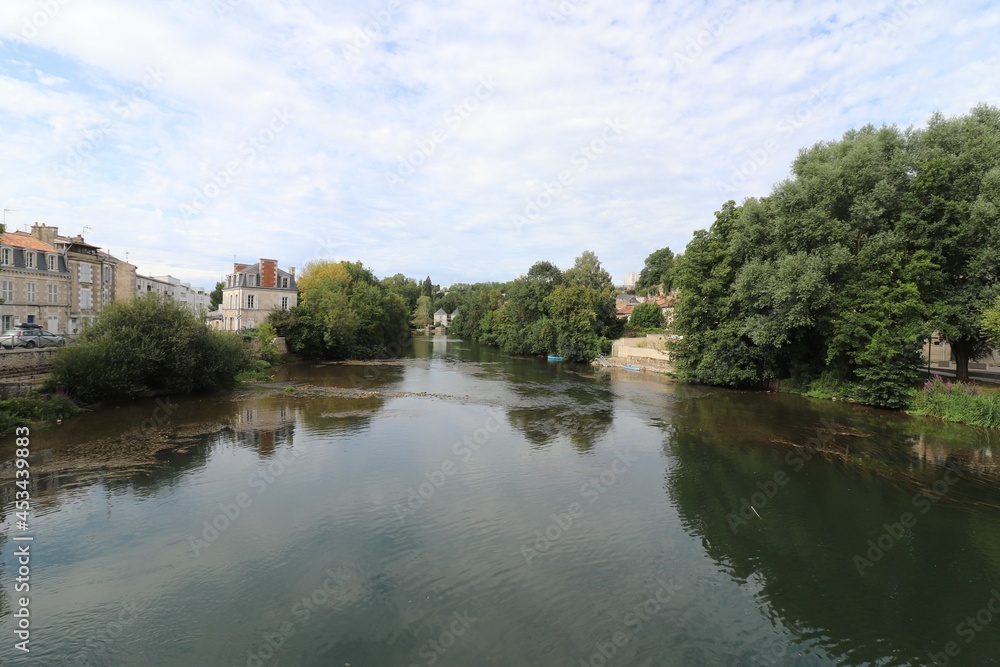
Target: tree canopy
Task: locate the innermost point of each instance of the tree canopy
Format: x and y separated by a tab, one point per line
875	241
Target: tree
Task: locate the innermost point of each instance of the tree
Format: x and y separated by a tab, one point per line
657	271
344	312
408	288
216	296
647	316
991	324
152	346
587	271
427	288
422	315
953	215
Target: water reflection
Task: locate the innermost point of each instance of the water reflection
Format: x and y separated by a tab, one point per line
855	545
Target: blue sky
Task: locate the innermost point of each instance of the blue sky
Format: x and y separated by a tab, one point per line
465	140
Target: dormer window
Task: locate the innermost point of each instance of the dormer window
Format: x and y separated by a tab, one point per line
251	280
52	262
6	256
29	259
284	282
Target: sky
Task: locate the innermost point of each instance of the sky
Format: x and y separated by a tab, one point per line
461	140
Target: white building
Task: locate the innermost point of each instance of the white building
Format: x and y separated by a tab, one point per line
630	280
196	299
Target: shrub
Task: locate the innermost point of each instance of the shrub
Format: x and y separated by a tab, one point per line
148	346
34	408
957	402
646	316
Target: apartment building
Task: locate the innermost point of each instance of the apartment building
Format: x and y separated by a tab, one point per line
35	283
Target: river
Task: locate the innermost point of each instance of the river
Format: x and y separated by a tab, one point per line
457	506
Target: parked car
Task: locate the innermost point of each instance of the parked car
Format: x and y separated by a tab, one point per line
30	338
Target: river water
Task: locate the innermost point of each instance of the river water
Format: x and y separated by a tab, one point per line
460	507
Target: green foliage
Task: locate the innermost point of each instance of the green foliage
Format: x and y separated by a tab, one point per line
216	296
958	402
408	288
547	311
657	272
257	371
875	241
991	324
34	409
423	315
266	350
647	316
345	313
148	346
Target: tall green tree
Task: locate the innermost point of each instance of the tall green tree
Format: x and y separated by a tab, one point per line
657	272
215	298
647	316
953	216
427	288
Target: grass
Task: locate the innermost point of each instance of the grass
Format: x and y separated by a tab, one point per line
958	402
34	409
256	372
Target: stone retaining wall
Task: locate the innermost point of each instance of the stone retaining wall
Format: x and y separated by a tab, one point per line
16	365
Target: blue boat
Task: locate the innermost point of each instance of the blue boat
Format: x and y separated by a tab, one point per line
630	367
553	357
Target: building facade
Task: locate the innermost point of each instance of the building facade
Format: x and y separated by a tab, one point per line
195	299
34	283
252	291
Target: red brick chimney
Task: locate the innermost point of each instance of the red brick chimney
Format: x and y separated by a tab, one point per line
239	267
268	273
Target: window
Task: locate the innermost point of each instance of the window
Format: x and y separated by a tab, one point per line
85	275
29	260
251	301
284	282
53	262
6	290
31	292
251	280
6	256
6	322
53	293
86	300
107	275
284	303
105	296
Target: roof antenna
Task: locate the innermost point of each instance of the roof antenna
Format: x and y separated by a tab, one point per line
5	212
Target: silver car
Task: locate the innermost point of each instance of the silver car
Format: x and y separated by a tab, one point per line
30	338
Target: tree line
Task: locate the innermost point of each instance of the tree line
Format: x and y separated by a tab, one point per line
872	243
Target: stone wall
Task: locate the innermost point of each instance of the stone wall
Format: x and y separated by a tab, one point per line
22	369
648	353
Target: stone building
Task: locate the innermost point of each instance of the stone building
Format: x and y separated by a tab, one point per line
252	291
35	283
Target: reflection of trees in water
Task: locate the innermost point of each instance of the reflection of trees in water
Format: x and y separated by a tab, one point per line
338	412
803	548
543	425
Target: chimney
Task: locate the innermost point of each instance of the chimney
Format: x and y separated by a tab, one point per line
239	267
268	273
291	272
44	233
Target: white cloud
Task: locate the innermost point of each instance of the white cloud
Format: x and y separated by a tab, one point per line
702	89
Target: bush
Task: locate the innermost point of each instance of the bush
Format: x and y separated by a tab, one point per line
148	346
18	411
646	316
957	402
